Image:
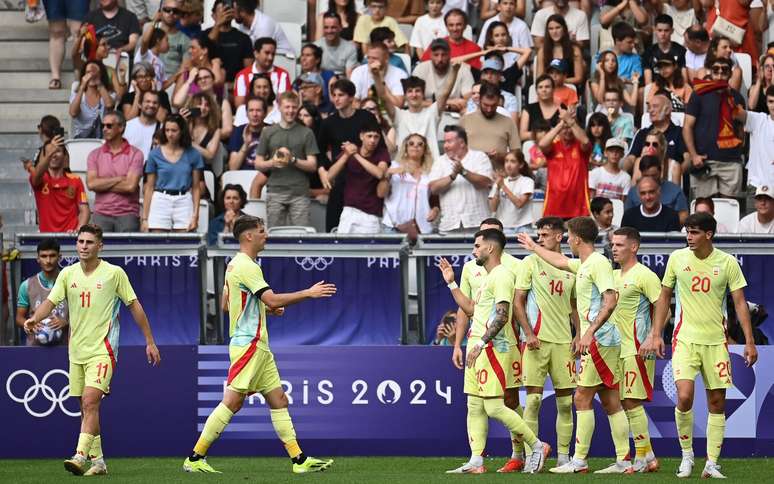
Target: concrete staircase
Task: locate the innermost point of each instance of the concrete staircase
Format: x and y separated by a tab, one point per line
24	99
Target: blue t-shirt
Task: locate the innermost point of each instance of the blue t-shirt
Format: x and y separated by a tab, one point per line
235	143
23	301
174	176
671	196
629	64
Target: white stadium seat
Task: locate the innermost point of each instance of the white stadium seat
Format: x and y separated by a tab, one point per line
286	11
726	212
209	182
79	150
238	177
204	217
292	230
618	211
256	208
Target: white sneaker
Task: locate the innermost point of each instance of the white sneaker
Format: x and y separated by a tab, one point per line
686	467
712	470
620	467
537	459
562	459
468	468
572	467
98	468
76	464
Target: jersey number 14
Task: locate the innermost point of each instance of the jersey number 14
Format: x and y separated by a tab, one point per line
557	287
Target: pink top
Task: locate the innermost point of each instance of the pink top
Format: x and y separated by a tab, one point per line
107	165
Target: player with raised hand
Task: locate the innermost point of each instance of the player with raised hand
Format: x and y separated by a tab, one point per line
599	345
701	276
94	289
544	307
486	376
247	297
638	289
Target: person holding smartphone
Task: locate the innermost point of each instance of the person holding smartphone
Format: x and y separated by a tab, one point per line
445	332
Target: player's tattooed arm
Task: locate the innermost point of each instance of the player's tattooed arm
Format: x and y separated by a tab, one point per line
501	319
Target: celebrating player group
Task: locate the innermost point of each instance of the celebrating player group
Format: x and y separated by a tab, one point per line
531	318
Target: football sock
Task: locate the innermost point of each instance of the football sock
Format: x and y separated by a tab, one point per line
716	426
517	443
619	428
84	444
684	421
495	408
563	424
216	422
532	411
478	426
638	422
583	433
95	453
280	419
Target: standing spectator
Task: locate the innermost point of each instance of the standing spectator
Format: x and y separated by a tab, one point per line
204	126
153	43
143	9
710	134
683	16
558	44
263	50
760	167
621	123
289	151
492	73
232	200
89	100
609	180
36	288
576	20
311	62
545	112
365	166
602	213
518	29
166	19
456	23
142	82
251	21
498	39
756	95
671	195
377	18
567	151
762	220
651	215
462	178
670	79
118	25
378	60
663	49
141	129
346	12
47	129
339	54
721	48
511	193
95	47
62	16
310	89
697	43
739	14
405	11
191	17
436	72
202	53
114	172
660	112
173	173
59	195
490	132
234	48
244	140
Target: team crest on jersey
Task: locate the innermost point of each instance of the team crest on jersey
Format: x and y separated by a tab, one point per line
99	284
716	271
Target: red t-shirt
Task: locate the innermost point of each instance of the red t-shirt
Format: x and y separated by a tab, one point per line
567	193
58	201
463	48
360	187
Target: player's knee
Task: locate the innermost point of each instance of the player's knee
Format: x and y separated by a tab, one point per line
582	399
511	399
716	402
89	405
534	400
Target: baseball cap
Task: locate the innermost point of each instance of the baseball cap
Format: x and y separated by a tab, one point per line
439	44
616	143
664	57
493	63
143	67
764	190
311	78
560	65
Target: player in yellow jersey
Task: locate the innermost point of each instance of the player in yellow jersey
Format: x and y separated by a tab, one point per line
638	289
544	306
701	276
94	290
599	344
247	297
470	280
491	332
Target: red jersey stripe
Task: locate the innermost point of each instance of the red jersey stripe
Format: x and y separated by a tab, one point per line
496	367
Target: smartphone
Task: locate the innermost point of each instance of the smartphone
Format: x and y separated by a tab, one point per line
228	3
58	131
195	112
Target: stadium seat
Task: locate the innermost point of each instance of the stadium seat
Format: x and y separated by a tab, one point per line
596	29
618	211
286	11
238	177
745	63
537	208
726	212
204	217
79	150
292	230
209	182
293	33
256	208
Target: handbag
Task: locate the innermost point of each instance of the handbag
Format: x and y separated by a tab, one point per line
411	228
727	29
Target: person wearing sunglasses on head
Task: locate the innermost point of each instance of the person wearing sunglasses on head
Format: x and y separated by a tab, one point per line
166	19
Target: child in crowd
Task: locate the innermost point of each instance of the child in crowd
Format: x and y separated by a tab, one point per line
621	123
511	193
428	27
629	61
602	212
609	180
563	94
598	131
387	37
377	18
155	42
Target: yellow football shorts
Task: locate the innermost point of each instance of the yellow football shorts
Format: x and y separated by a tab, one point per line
493	372
96	372
252	370
600	366
554	359
712	361
637	377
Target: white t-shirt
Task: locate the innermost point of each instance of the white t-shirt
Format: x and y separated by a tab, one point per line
424	122
609	185
139	135
450	4
682	19
409	198
265	26
760	165
577	23
750	225
462	205
426	29
363	80
509	214
240	116
694	61
518	29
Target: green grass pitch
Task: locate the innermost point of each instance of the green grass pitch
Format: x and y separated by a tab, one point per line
392	470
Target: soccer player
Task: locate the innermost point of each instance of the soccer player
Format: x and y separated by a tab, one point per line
470	281
545	309
253	370
94	289
486	377
599	345
638	289
700	276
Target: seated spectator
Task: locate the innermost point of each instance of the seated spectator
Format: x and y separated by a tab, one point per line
406	188
142	81
59	195
429	27
517	28
389	133
153	43
311	60
234	48
62	16
436	72
558	45
244	139
703	204
378	60
445	333
629	64
120	26
36	288
609	180
173	173
310	90
377	18
462	179
567	150
114	172
660	112
387	37
669	78
762	220
346	13
168	19
651	215
605	77
602	213
203	118
203	81
339	54
231	200
632	12
260	87
656	145
141	129
456	24
756	95
683	17
288	151
252	21
489	131
191	17
48	127
89	99
511	192
365	166
663	50
621	123
264	49
492	73
203	54
760	171
671	195
721	48
563	94
545	112
576	20
498	42
599	132
94	47
697	43
405	11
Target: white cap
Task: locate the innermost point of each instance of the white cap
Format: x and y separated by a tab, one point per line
764	190
616	143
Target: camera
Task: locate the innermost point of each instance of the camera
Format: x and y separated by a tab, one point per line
195	112
58	131
699	171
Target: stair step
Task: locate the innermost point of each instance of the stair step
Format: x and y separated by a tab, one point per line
34	112
23	142
37	64
13	17
34	96
20	49
25	126
24	33
33	80
18	216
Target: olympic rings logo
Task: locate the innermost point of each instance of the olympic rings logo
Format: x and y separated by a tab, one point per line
41	386
314	263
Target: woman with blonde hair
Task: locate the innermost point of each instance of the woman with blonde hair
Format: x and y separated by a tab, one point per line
756	98
656	145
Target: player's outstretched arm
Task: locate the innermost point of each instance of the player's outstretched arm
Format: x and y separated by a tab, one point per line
609	302
282	300
743	316
556	259
464	302
654	342
33	324
141	319
520	315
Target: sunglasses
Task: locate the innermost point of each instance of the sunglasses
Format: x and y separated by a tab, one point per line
170	10
109	125
416	143
651	144
721	69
